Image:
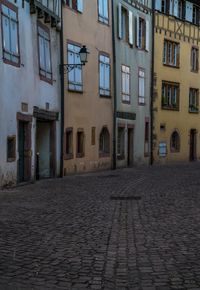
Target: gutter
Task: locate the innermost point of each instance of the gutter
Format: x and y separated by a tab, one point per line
62	93
152	84
114	89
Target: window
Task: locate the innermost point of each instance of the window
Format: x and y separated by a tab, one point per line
171	53
103	11
175	142
170	96
10	36
194	100
164	6
104	75
120	142
11	148
75	4
44	52
80	143
125	84
75	82
141	33
141	86
194	59
93	134
104	142
124	24
69	143
195	15
181	9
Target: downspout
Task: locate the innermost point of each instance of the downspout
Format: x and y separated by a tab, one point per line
62	93
114	88
152	83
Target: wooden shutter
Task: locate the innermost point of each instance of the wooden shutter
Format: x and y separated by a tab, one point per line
171	8
176	8
189	11
130	27
80	5
158	5
120	20
137	30
147	36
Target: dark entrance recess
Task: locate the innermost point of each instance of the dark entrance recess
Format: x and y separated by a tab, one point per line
130	147
193	144
24	147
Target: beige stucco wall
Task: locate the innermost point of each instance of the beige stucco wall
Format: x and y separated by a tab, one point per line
86	110
181	120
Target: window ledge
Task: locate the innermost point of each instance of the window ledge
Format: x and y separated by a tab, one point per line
75	91
69	156
10	62
171	65
105	96
79	155
169	108
43	78
103	154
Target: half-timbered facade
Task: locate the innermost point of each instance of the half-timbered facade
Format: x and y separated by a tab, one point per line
29	90
133	51
176	81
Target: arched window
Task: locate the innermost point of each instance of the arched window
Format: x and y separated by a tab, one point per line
104	142
175	142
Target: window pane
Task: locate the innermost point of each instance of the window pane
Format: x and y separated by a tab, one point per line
14	40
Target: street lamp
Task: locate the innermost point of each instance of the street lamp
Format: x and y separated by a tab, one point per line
83	54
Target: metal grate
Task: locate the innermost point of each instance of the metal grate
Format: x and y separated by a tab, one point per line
130	197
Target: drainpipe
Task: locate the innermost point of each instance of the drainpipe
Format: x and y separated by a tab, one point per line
114	88
152	82
62	93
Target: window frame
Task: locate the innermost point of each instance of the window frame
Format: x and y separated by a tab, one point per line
123	93
15	9
13	157
68	155
40	25
166	56
193	69
80	154
140	69
165	106
104	95
175	149
104	153
70	89
194	108
101	18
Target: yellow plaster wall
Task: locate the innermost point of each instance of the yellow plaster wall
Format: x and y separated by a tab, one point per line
180	120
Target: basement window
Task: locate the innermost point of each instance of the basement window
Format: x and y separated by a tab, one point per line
11	148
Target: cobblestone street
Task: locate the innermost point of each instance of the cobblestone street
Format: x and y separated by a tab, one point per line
126	229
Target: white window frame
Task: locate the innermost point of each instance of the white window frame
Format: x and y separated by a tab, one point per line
141	86
103	11
104	75
126	86
75	80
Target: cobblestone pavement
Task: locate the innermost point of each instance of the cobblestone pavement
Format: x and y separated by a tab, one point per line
126	229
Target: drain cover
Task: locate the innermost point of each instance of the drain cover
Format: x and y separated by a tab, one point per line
130	197
108	176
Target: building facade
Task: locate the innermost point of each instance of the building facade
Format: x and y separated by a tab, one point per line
88	93
176	81
29	90
133	56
